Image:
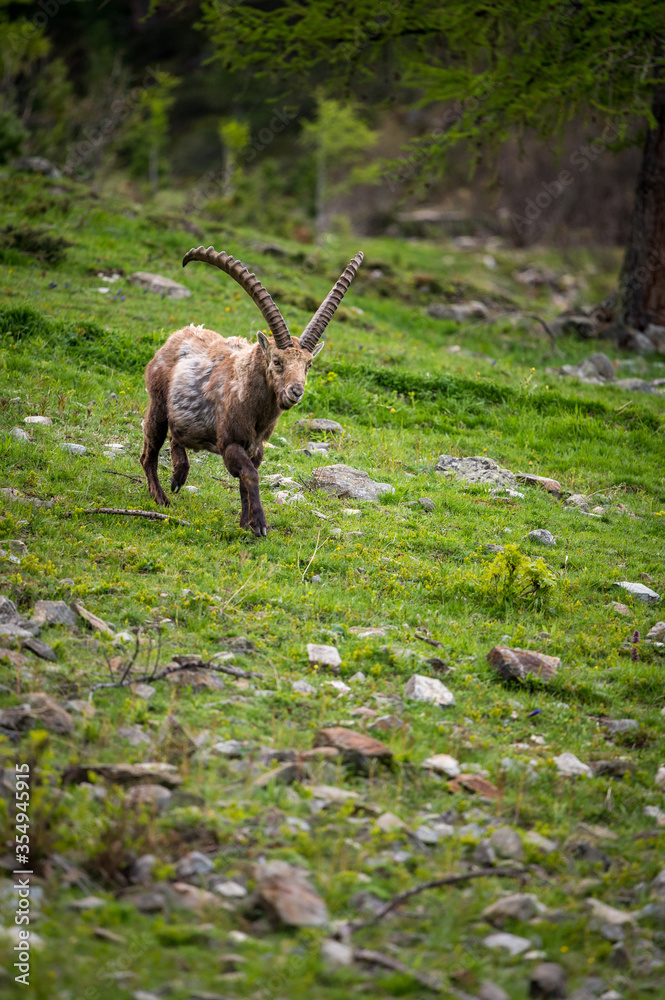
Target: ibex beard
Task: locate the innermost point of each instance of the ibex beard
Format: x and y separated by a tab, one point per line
224	394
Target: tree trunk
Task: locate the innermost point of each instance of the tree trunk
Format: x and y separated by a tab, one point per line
642	281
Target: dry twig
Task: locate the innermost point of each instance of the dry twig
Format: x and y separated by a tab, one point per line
125	475
151	515
378	958
126	681
436	883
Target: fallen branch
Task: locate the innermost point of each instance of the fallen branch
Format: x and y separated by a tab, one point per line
127	681
547	328
151	515
125	475
431	642
378	958
436	883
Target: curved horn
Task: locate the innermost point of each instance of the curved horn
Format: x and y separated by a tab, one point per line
251	284
319	321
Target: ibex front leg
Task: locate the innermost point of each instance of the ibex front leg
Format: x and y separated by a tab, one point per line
241	467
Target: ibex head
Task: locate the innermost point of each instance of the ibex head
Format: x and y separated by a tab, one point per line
287	359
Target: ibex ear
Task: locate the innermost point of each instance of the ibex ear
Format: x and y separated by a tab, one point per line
317	349
263	341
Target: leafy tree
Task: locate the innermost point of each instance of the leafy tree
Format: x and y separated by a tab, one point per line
235	139
503	68
339	138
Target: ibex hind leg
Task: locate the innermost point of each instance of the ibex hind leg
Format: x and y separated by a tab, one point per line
180	464
155	427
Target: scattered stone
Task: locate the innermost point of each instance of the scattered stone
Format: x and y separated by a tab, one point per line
543	537
145	902
490	991
345	481
285	892
475	470
233	749
356	748
357	678
49	714
37	165
125	774
196	680
339	686
494	549
159	285
193	863
39	420
19	434
609	914
320	424
87	903
230	889
657	632
427	835
618	726
511	943
336	954
474	783
14	496
140	872
81	707
518	906
570	766
426	503
390	823
98	624
458	311
621	609
134	735
145	691
442	763
639	591
429	689
302	687
193	898
507	843
154	796
53	613
332	794
324	656
388	723
613	768
316	448
548	982
551	485
73	449
518	663
16	719
285	774
660	777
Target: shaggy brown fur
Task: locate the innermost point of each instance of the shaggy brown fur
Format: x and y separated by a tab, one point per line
224	395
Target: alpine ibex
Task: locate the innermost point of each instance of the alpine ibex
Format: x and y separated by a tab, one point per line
225	395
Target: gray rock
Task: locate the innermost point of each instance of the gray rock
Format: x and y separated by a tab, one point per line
134	735
345	481
159	285
193	863
154	796
37	165
458	311
324	656
321	424
40	649
633	385
603	366
336	954
658	886
518	906
543	537
429	689
507	843
140	872
483	854
615	726
619	956
53	613
494	549
234	749
302	687
316	448
490	991
230	889
442	763
287	896
426	503
517	664
548	982
145	691
570	766
475	470
578	325
426	835
38	419
511	943
543	844
639	591
656	633
19	434
73	449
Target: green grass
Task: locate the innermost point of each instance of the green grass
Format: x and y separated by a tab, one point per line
387	375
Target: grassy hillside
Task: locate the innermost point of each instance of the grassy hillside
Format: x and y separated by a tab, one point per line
193	585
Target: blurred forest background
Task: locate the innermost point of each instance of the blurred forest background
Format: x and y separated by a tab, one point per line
110	89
